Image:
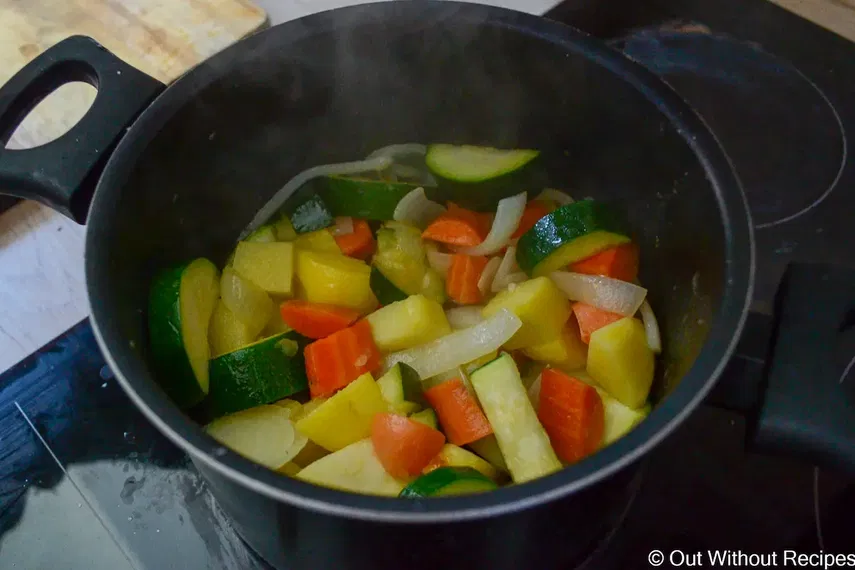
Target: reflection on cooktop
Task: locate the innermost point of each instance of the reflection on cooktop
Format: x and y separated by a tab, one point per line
783	134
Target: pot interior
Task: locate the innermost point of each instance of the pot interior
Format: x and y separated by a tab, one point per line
333	87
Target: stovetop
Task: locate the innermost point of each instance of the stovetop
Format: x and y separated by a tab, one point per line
86	482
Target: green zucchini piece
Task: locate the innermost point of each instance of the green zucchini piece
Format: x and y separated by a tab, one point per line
427	417
310	215
402	259
385	291
478	177
402	384
523	441
448	481
257	374
569	234
364	198
264	234
181	302
488	449
619	419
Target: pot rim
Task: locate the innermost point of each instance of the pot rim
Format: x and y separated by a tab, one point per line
722	338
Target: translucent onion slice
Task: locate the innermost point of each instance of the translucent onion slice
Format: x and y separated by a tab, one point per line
459	347
464	317
604	293
506	267
416	209
275	203
439	261
508	216
651	327
343	226
534	393
556	196
403	149
485	282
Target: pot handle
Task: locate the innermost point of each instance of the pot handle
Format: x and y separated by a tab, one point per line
799	397
63	173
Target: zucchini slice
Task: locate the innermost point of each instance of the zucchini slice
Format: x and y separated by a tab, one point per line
261	373
448	481
619	419
364	198
385	291
426	417
402	389
569	234
181	302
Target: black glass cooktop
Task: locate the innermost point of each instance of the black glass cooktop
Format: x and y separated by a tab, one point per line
86	482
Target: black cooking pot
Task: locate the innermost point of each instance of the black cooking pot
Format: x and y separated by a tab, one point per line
177	172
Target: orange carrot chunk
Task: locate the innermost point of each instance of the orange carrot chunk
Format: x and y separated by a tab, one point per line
619	262
534	210
461	283
572	414
461	418
337	360
404	446
359	243
459	227
316	320
591	318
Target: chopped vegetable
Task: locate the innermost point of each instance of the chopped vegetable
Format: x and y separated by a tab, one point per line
261	373
571	412
464	317
507	267
485	282
448	481
603	293
354	468
361	197
226	332
360	243
335	361
651	327
343	225
316	320
621	362
459	347
246	300
335	279
385	291
401	258
459	414
567	235
264	234
591	319
540	305
397	382
404	324
619	419
264	434
508	217
619	262
488	448
284	229
534	211
524	444
566	352
311	215
427	417
416	209
458	227
403	446
463	276
268	265
181	303
318	240
346	416
274	326
452	456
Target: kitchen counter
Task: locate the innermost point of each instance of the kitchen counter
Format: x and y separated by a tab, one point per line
42	286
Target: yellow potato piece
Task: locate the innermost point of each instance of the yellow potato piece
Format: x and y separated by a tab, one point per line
335	279
621	362
354	468
566	352
346	416
320	240
263	434
454	456
268	265
404	324
539	304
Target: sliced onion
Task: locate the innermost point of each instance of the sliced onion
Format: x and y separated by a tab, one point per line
272	206
534	392
485	282
416	209
604	293
556	196
510	281
464	317
439	261
343	226
506	267
394	150
459	347
508	216
651	327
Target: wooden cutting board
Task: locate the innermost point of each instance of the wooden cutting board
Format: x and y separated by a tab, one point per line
163	38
